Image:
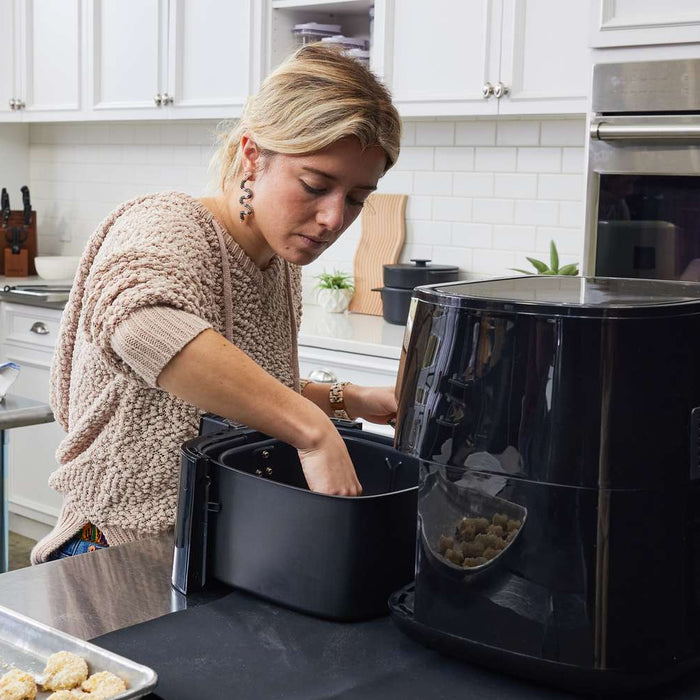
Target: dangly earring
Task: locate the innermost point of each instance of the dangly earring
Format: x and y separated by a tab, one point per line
243	199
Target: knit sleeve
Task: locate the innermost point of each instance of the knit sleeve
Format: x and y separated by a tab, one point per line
155	255
149	338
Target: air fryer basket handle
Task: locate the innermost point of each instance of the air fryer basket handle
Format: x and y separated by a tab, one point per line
191	526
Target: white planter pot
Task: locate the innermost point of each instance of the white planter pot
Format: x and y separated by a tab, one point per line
334	300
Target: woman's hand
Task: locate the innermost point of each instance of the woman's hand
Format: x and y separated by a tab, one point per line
327	466
376	404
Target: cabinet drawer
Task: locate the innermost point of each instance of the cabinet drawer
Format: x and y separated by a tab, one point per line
30	325
347	366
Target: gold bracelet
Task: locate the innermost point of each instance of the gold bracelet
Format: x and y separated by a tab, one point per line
336	396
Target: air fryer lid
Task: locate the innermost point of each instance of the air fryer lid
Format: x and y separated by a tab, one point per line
408	276
570	296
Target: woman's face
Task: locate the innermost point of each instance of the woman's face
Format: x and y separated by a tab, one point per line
303	203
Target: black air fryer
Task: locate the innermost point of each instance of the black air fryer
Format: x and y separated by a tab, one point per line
556	423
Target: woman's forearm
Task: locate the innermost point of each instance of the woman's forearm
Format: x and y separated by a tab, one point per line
214	375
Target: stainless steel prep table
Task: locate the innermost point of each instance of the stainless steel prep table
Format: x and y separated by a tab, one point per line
113	588
15	412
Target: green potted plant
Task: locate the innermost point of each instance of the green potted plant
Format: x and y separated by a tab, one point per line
334	290
553	268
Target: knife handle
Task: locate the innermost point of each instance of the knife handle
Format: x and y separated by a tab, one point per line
27	205
5	205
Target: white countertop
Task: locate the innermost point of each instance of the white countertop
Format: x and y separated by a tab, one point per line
358	333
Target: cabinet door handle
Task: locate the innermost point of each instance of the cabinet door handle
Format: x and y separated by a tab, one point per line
13	103
167	99
39	327
158	99
500	90
487	91
21	104
322	376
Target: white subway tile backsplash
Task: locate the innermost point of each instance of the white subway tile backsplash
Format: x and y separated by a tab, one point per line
452	209
472	184
428	232
495	159
514	237
494	262
435	133
518	133
563	132
515	186
493	211
472	235
534	212
571	215
452	255
454	158
573	160
432	183
415	158
418	207
560	187
539	160
473	133
481	192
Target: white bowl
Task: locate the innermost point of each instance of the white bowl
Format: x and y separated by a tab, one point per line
56	267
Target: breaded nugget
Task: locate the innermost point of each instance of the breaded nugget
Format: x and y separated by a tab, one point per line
445	543
64	670
17	685
514	525
466	529
500	519
472	549
67	695
104	685
495	530
471	562
481	525
490	553
454	555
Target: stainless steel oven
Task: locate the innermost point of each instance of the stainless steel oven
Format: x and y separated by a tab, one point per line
643	201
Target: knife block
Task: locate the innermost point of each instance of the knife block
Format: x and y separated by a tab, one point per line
29	247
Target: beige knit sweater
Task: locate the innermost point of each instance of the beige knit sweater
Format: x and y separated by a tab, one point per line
157	272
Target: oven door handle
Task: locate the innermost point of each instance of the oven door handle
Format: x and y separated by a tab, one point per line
603	131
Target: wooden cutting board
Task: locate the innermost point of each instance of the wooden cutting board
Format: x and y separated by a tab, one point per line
383	234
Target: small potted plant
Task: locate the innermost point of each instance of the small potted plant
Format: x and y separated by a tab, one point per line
334	291
553	268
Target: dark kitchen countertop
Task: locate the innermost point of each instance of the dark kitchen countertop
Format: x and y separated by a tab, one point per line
115	588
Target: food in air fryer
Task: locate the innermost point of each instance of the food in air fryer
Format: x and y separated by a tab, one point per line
64	670
476	540
17	685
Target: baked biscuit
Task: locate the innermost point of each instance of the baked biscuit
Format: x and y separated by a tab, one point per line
17	685
64	670
103	685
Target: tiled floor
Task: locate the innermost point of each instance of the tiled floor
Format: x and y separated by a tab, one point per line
19	550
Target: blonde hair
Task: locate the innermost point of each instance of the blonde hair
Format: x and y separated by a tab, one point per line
313	99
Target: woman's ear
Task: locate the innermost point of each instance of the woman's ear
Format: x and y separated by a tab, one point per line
250	155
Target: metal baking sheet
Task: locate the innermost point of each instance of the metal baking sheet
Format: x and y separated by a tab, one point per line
27	644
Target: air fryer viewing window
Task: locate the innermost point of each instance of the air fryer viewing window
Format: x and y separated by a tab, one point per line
649	227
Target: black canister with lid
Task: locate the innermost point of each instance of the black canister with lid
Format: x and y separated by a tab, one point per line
401	279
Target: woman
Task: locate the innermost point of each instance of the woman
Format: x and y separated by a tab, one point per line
182	306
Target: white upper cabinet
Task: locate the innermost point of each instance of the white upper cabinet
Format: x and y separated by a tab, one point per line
545	59
211	65
488	56
50	57
40	59
170	59
9	63
644	22
127	59
440	58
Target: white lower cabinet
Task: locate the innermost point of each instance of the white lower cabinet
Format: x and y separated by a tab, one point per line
367	370
33	506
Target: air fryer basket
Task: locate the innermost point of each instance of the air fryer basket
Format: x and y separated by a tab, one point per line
247	518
